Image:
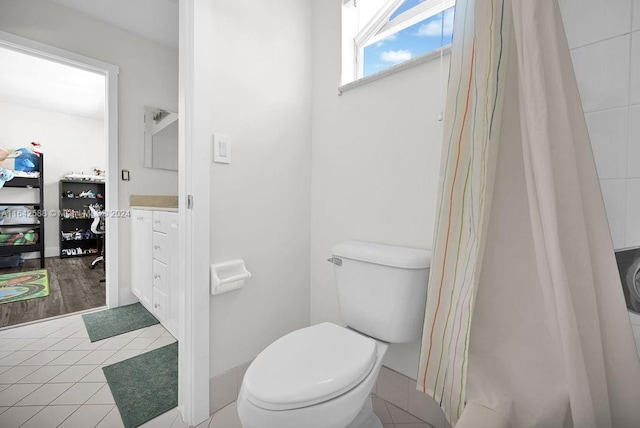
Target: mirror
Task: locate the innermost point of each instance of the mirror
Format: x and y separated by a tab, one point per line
160	139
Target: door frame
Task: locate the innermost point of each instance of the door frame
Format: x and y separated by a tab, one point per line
194	184
194	135
110	73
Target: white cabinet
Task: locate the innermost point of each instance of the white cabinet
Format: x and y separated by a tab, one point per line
141	234
154	264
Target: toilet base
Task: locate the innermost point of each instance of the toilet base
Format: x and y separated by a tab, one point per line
366	418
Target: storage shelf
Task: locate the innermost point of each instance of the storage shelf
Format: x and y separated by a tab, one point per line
15	249
78	240
69	205
68	256
33	183
20	204
23	182
66	180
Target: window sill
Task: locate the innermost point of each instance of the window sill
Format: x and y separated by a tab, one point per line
395	69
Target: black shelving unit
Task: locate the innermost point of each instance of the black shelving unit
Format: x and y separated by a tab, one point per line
28	183
76	238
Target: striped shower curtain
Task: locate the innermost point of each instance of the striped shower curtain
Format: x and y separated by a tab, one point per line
472	130
525	313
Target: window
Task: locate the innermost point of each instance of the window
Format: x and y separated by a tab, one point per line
378	34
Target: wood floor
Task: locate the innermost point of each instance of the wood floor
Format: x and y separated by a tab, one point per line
74	287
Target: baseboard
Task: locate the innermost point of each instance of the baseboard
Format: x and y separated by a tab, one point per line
224	388
401	391
126	297
52	252
393	387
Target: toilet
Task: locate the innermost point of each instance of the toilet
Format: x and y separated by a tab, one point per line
628	261
632	283
322	376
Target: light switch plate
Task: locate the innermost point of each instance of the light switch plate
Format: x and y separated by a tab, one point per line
221	148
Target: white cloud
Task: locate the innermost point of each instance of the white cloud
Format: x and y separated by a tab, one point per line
430	29
435	27
395	57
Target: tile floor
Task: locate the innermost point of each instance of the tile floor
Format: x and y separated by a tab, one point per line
390	416
51	376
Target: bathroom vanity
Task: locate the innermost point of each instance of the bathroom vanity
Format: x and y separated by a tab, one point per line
154	262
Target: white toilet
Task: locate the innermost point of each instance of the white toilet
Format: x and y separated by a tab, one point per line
629	266
322	376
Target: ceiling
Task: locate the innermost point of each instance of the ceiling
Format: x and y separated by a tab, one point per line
155	20
34	82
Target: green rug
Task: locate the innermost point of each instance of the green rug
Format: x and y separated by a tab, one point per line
145	386
23	285
112	322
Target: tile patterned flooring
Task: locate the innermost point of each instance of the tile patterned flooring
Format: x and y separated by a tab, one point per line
51	376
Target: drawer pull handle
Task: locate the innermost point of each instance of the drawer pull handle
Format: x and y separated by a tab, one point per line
157	222
156	306
156	247
156	276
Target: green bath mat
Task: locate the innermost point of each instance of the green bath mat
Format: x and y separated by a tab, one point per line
23	285
112	322
145	386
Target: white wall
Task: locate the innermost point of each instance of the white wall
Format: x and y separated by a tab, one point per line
604	38
148	76
376	157
260	82
70	143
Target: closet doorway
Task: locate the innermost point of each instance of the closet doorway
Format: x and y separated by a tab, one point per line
59	182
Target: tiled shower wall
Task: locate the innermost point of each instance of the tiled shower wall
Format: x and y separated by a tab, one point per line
604	38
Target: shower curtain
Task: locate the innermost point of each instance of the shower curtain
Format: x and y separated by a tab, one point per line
525	313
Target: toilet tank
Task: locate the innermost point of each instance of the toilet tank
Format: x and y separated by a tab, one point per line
382	289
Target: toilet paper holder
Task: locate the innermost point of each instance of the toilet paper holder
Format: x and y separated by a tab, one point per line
228	276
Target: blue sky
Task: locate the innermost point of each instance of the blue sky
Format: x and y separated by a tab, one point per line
408	4
411	42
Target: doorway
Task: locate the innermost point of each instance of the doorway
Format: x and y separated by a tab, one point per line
63	117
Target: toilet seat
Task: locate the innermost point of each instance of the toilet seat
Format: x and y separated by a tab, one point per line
309	366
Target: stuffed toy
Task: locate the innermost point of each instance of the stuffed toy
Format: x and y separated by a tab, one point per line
5	175
24	159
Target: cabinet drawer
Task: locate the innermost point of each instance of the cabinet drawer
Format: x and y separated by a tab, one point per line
160	247
160	275
160	223
159	304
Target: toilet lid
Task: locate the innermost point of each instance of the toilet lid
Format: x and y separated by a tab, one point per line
309	366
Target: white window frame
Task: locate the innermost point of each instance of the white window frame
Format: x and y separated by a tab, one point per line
379	27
